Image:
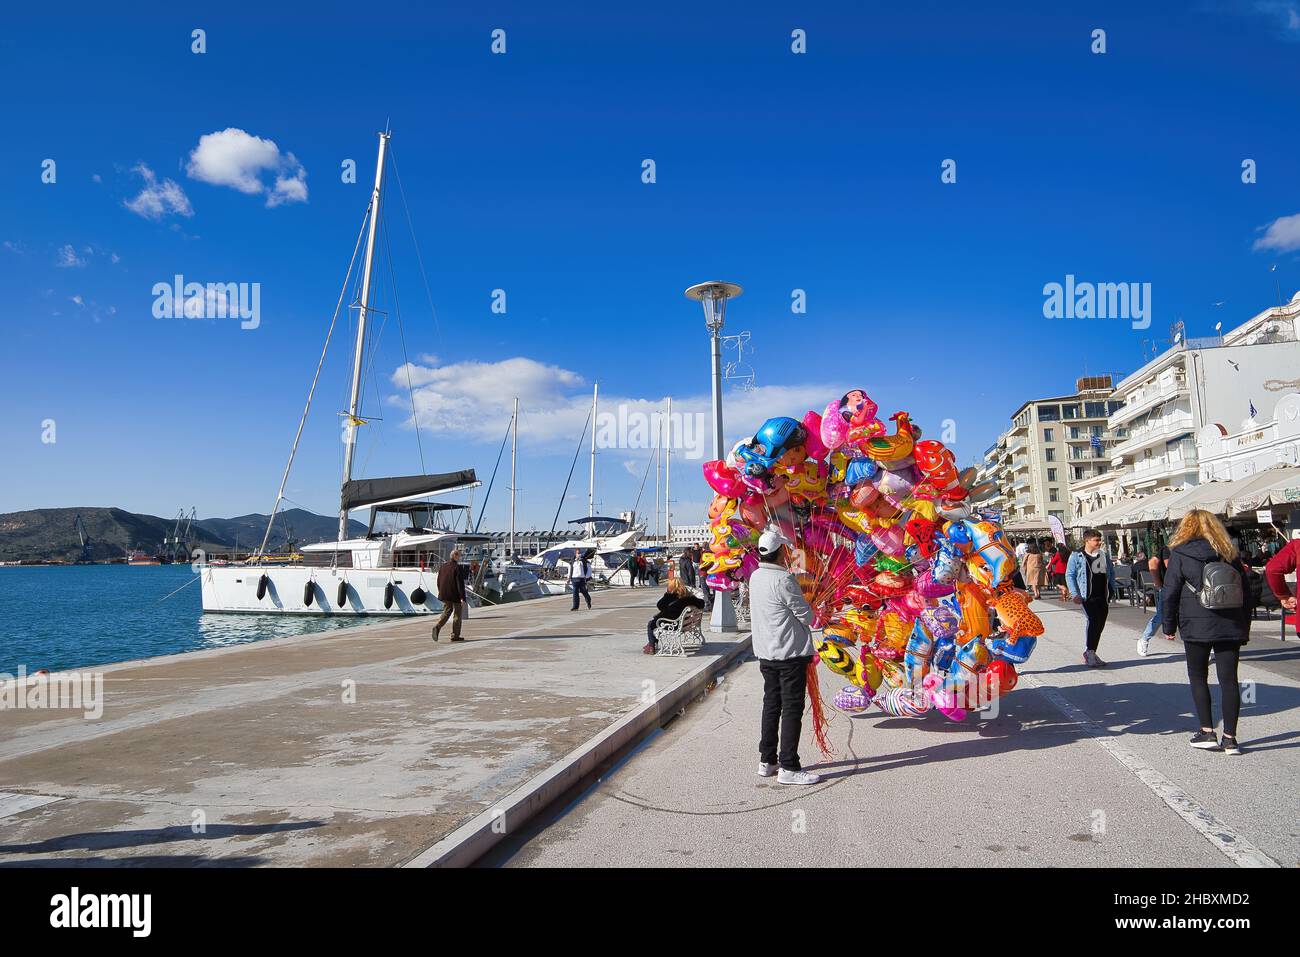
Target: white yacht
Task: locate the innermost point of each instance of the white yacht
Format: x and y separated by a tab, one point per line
392	568
612	542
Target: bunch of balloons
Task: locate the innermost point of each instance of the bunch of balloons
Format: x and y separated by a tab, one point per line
909	583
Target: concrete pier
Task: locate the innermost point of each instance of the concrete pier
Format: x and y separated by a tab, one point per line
368	746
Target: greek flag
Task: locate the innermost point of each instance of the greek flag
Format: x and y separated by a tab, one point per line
1096	444
1252	410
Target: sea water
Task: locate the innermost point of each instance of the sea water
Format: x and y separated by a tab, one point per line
77	616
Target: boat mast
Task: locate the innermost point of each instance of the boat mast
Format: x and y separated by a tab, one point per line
668	473
659	468
514	440
591	488
358	356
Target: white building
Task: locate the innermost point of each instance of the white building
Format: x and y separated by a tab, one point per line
1193	414
690	534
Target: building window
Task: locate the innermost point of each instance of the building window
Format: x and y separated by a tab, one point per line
1049	435
1071	411
1078	473
1094	410
1051	475
1053	495
1051	454
1049	413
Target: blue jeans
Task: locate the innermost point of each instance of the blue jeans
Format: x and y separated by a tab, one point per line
1154	623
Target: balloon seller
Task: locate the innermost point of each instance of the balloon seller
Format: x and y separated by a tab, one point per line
908	583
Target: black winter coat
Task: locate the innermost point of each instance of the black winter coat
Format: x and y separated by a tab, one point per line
670	607
1183	610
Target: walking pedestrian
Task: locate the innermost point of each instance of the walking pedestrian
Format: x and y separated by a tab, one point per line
1032	568
451	592
1090	577
1156	566
675	599
1207	604
686	567
631	571
1283	563
1060	565
641	568
781	624
579	576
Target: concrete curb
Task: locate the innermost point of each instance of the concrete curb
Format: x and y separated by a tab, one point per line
469	842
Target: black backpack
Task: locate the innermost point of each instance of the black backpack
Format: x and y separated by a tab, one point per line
1221	587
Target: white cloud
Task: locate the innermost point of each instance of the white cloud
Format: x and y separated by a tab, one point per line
473	400
242	161
68	258
97	178
78	300
1285	13
14	247
1282	234
158	199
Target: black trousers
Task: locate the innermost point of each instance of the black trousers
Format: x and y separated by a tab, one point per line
1227	655
1096	612
784	686
580	588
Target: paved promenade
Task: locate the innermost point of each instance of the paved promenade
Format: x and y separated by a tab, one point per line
1082	768
257	746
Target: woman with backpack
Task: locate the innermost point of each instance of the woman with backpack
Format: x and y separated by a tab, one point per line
1206	602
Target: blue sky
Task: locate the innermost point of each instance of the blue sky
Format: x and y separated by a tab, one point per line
522	172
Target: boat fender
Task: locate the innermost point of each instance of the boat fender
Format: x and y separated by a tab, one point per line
418	596
262	584
388	595
308	593
342	595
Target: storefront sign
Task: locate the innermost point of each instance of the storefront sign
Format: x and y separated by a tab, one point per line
1264	516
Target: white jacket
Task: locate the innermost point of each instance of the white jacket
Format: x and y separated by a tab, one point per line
779	615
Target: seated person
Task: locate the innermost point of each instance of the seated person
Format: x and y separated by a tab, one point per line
676	599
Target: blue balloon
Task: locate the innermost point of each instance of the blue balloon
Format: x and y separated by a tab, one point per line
860	470
864	549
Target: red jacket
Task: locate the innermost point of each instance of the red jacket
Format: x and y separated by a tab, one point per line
1280	565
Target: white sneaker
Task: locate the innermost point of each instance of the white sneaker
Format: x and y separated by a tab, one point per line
796	777
1144	645
766	770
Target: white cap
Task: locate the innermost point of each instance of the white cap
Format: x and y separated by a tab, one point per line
770	542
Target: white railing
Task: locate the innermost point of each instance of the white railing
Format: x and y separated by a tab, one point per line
1144	398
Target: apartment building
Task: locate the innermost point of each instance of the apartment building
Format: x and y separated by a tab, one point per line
1216	387
1054	445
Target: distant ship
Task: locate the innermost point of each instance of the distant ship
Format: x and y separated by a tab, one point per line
138	557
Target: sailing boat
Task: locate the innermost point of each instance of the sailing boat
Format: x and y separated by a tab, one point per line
610	540
514	580
383	572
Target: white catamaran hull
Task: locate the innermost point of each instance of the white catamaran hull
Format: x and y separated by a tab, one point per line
234	589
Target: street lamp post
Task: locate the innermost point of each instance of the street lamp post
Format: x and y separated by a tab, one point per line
713	297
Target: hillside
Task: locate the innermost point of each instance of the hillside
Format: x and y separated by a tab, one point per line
50	534
300	525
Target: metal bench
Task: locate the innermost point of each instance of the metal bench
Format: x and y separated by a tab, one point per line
672	636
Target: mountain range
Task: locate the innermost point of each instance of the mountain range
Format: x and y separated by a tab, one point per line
50	534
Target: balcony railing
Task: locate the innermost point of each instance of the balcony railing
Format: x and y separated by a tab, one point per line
1145	398
1153	432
